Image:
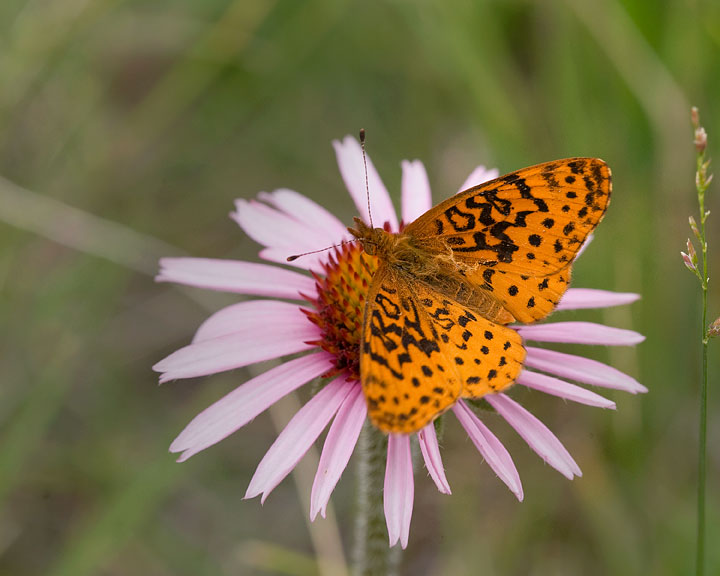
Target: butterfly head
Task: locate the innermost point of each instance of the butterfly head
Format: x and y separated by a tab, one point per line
375	241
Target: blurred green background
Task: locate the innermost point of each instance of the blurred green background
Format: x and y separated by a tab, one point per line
128	127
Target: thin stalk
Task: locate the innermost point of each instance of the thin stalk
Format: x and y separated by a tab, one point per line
373	556
700	560
702	432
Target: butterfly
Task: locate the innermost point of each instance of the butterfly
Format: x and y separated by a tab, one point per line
436	316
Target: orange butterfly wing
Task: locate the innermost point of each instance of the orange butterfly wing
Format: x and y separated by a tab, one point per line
517	235
422	350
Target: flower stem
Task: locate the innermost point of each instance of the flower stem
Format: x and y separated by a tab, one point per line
373	556
702	432
700	560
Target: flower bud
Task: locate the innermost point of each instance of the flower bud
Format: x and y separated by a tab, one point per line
690	259
700	139
694	227
688	263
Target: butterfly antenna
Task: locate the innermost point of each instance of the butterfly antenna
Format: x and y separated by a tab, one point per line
296	256
367	191
367	185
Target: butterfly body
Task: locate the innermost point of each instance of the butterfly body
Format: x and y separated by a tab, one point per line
436	314
433	265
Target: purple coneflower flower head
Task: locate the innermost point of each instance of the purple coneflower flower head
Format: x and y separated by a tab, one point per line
314	315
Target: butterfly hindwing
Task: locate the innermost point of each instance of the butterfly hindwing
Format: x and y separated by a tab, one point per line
422	350
399	358
486	356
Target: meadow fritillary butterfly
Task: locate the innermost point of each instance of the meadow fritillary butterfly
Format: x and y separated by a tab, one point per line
446	287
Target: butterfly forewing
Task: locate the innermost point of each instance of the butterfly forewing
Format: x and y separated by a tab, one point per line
519	233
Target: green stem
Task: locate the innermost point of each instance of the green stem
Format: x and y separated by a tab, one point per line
703	449
373	556
702	444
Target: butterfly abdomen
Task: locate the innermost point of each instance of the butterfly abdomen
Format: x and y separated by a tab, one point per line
477	298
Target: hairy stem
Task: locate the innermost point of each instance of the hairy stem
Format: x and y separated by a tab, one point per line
373	556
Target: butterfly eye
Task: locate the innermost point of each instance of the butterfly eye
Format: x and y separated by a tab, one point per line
370	248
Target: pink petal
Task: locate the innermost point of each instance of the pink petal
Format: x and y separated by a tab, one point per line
399	489
339	445
297	437
237	408
479	176
416	194
431	454
580	333
307	262
576	298
581	369
226	353
238	336
251	315
303	209
490	447
235	276
350	162
556	387
536	434
276	229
